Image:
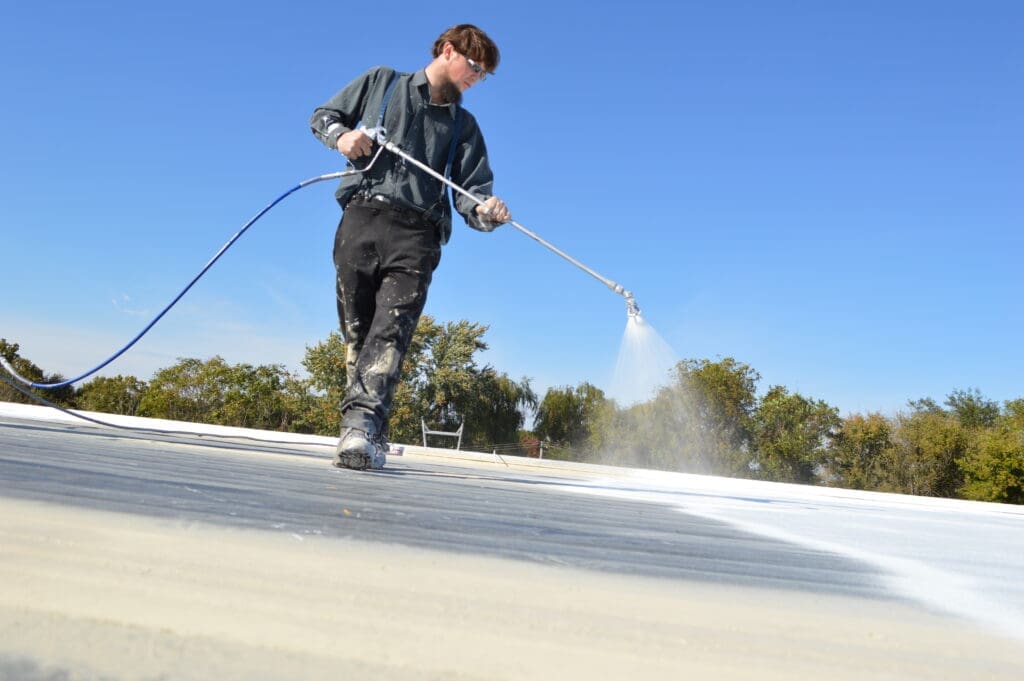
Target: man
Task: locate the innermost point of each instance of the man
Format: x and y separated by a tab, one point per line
397	217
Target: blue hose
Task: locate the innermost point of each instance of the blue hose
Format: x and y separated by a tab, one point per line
54	386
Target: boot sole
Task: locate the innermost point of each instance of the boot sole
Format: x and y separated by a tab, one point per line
351	460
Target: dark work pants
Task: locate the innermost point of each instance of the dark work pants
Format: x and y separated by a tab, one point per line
385	258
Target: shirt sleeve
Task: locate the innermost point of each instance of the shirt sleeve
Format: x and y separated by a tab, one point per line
343	112
471	170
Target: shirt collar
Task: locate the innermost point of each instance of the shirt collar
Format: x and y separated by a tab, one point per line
419	80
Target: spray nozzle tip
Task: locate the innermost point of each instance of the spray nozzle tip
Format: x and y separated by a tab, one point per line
632	309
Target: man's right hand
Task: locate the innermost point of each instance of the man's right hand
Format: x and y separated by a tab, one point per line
355	144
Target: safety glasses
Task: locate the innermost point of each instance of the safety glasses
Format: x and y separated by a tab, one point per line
478	69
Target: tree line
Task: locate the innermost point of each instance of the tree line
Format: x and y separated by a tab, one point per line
442	384
708	419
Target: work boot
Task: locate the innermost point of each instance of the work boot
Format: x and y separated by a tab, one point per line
358	450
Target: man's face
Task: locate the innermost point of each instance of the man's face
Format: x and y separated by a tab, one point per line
463	71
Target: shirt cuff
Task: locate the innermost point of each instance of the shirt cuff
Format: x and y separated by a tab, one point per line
334	131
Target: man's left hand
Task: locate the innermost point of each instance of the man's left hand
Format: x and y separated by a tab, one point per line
494	211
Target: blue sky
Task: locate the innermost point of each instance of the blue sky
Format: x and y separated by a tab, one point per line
830	192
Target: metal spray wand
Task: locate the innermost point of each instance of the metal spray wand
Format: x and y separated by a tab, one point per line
378	134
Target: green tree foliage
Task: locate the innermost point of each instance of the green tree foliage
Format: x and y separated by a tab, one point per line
718	400
723	396
792	436
214	391
302	409
649	435
927	448
497	410
925	404
994	467
1013	414
191	390
572	421
325	363
320	397
972	449
860	452
255	398
703	422
448	388
63	396
117	395
448	372
973	410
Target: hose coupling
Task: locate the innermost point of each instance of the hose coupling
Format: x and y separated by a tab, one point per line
377	134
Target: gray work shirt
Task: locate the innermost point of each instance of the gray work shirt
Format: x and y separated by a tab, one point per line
422	130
